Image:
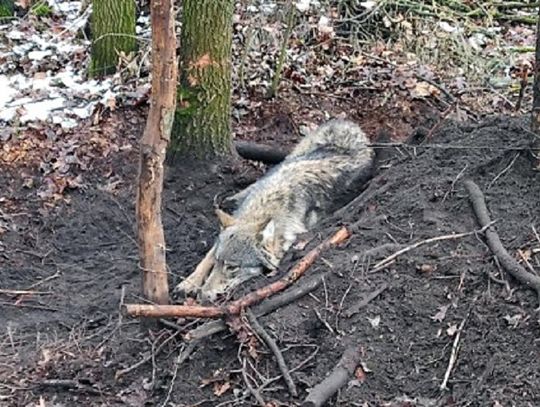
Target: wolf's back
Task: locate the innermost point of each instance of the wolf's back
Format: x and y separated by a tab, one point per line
339	137
322	171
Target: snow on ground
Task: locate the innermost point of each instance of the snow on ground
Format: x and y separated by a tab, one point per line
43	70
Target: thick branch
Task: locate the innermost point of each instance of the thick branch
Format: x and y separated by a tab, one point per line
259	152
152	154
335	380
494	242
235	307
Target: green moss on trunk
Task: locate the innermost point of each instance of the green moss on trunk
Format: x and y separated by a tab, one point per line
6	8
113	31
202	122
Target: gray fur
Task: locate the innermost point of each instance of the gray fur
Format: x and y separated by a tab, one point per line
289	200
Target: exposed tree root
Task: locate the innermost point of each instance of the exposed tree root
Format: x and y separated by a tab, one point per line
494	242
336	379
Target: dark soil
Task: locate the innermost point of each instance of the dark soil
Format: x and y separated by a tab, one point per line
82	260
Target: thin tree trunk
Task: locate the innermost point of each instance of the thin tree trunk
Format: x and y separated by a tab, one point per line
152	153
113	31
202	123
535	120
6	8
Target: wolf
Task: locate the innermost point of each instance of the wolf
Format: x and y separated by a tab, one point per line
322	172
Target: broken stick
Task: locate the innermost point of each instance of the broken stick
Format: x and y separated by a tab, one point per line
235	307
494	242
335	380
298	291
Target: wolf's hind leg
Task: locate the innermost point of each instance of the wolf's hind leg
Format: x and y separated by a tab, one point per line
193	283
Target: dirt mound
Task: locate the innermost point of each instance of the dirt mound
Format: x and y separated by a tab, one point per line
68	342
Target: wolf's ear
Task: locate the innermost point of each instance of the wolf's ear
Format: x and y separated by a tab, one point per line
268	237
268	233
225	219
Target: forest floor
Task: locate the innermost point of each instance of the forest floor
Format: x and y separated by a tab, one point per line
69	259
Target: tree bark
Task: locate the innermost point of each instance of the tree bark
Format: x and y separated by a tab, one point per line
535	119
202	121
152	153
6	8
113	31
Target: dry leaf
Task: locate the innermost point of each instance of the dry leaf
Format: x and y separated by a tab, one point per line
423	90
221	388
375	321
360	374
426	268
452	329
439	316
514	320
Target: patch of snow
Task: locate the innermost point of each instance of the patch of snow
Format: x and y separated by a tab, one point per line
368	5
15	35
40	111
7	93
39	55
43	77
303	5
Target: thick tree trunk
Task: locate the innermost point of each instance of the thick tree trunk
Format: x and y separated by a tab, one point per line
202	122
152	153
6	8
535	120
113	31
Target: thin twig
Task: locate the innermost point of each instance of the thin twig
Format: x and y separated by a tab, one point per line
180	359
504	171
455	349
146	359
254	392
24	292
385	262
454	182
261	332
270	305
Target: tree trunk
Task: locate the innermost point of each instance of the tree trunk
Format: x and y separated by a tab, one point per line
152	153
6	8
202	121
113	31
535	122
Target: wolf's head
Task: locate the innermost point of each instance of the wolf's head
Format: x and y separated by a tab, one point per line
242	252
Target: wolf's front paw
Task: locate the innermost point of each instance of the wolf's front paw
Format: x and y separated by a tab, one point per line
187	288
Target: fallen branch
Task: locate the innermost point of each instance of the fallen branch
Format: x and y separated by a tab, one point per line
259	152
335	380
494	242
235	307
261	332
272	304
